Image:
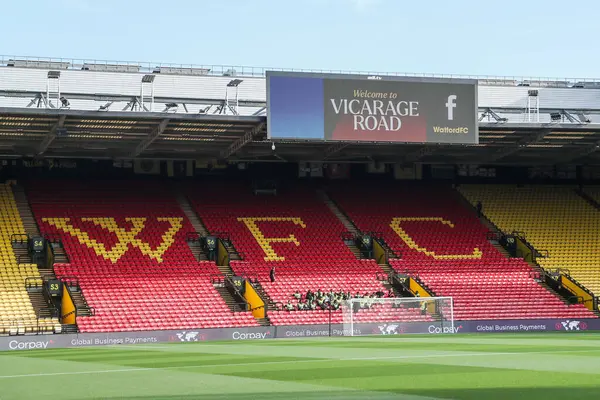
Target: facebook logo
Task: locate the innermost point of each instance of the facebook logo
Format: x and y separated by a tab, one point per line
451	105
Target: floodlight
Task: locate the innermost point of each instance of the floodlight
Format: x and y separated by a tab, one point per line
148	78
533	93
105	107
234	83
64	101
555	116
53	74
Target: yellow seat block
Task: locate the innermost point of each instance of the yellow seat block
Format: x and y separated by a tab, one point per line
553	218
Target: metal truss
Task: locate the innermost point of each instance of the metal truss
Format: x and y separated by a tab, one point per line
507	151
50	136
152	136
424	151
241	142
103	98
334	149
579	153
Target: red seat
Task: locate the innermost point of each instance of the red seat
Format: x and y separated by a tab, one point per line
151	282
445	245
318	259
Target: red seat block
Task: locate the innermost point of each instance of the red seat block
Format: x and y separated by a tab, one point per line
444	244
126	242
296	233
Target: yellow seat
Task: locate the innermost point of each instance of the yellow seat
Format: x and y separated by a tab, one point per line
553	218
16	311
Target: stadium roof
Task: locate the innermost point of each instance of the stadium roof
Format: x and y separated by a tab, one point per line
60	133
116	110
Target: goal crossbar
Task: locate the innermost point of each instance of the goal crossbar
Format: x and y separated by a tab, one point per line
397	315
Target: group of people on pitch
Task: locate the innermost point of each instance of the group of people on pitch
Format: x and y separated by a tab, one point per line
325	300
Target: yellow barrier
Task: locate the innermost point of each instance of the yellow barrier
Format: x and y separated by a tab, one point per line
222	254
573	287
415	287
254	301
68	315
379	252
523	251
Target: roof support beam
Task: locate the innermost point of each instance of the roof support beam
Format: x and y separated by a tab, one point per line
415	156
50	136
334	148
579	153
152	136
241	142
507	151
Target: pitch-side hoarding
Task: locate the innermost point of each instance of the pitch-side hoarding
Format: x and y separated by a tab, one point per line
38	342
360	108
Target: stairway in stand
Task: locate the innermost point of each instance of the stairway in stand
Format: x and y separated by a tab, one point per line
83	310
25	212
348	224
40	306
191	215
233	305
195	246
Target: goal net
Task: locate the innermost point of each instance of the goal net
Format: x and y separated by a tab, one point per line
394	316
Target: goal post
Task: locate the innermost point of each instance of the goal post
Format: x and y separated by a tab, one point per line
397	315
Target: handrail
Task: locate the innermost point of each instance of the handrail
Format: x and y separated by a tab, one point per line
193	236
252	278
224	236
33	281
260	71
14	238
235	289
537	253
52	237
217	278
71	281
544	253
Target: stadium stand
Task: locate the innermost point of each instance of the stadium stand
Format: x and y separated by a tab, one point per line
443	243
17	314
553	218
297	234
126	246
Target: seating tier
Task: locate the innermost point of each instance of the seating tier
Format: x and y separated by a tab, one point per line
16	311
296	233
443	243
555	219
126	246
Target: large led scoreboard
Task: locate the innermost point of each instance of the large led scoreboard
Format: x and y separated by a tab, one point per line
360	108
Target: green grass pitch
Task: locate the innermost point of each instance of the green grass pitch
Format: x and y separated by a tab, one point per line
529	366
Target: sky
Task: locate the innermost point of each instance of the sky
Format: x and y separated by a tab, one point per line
525	38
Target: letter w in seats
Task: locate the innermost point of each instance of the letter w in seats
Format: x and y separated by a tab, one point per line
126	239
